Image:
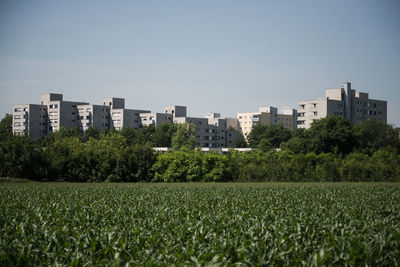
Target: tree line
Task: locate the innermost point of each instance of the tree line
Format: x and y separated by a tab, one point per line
331	150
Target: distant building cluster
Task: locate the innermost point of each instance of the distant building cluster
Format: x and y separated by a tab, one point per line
37	120
346	102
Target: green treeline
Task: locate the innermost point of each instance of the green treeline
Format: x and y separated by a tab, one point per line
331	150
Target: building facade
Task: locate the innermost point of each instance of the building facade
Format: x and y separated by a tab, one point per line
346	102
38	120
155	119
267	116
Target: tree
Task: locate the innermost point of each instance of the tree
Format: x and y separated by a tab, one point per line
163	135
184	137
91	133
131	135
146	135
275	134
6	126
332	134
372	135
265	145
296	145
240	142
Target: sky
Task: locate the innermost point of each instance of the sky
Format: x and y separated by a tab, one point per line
211	56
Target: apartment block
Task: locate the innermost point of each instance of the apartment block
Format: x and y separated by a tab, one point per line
155	119
211	131
60	112
30	119
176	111
126	118
206	135
267	116
345	102
95	116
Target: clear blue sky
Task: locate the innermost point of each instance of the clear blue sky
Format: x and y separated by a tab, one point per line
220	56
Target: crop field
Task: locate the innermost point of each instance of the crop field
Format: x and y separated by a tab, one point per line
199	224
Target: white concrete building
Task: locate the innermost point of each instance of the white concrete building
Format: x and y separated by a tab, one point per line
345	102
267	116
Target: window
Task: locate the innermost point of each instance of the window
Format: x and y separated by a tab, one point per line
17	109
315	105
17	117
54	113
302	106
53	106
315	113
116	114
17	124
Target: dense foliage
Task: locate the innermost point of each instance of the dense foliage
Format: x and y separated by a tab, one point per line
199	224
331	150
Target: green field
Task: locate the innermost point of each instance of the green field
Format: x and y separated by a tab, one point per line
189	224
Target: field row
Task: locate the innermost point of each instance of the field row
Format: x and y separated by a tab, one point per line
256	224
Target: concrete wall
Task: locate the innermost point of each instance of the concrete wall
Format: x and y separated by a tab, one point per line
155	119
30	119
114	102
176	111
311	110
96	116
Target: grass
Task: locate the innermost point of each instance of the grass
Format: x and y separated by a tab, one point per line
200	223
